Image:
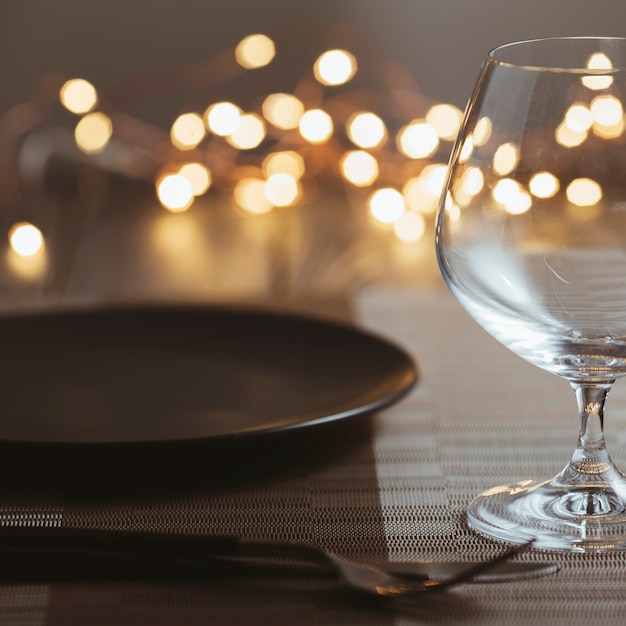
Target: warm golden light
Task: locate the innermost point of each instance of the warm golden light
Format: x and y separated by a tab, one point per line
467	149
505	191
584	192
316	126
187	131
409	227
453	210
606	110
568	138
418	140
418	197
482	131
198	175
335	67
281	189
473	181
255	51
578	118
544	185
287	162
519	203
78	96
445	119
175	192
25	239
249	133
608	117
222	118
359	168
386	205
249	194
92	133
506	158
598	61
366	130
282	110
610	132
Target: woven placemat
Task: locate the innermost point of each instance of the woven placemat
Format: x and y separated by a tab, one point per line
392	486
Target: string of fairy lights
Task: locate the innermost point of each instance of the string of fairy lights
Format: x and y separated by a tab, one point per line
329	130
271	156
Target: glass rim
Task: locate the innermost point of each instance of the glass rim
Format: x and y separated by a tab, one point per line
493	55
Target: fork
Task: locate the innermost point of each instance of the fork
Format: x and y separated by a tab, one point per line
197	551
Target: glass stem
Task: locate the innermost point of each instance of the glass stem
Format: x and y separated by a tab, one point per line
594	486
591	457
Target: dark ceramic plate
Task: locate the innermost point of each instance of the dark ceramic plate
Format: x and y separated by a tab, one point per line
154	375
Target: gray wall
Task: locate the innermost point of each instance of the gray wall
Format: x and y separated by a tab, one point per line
441	41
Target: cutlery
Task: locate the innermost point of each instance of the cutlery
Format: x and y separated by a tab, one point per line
42	552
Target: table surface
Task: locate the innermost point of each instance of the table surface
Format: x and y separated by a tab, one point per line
390	486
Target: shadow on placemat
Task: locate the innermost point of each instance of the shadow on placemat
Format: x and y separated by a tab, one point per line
185	465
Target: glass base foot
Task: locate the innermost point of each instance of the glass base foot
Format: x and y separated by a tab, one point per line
556	517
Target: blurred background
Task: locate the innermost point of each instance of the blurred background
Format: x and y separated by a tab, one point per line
116	183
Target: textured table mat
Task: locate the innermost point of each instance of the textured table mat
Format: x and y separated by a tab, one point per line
391	487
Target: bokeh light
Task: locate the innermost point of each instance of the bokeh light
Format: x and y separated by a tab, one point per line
366	130
25	239
281	189
584	192
175	192
255	51
578	118
316	126
335	67
187	131
418	140
505	158
93	132
606	110
283	110
569	138
249	194
482	132
598	61
409	227
386	205
359	168
285	162
249	134
198	175
544	185
222	118
445	119
78	95
422	193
